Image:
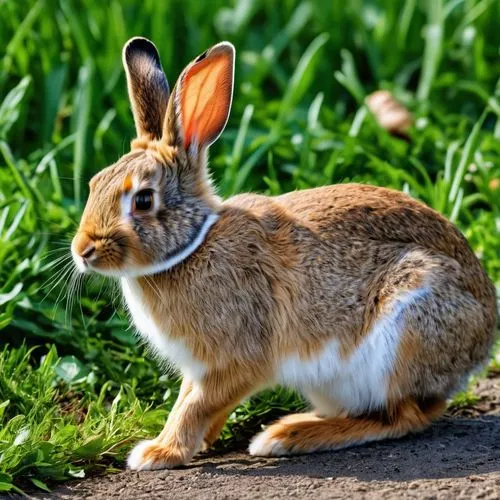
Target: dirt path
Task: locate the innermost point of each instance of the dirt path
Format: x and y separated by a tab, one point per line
458	457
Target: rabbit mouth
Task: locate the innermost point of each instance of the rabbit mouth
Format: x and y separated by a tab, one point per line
98	254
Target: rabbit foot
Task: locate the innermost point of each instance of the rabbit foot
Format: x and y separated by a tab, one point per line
282	437
266	444
152	455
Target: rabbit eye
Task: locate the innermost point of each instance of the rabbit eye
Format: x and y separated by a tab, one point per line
143	200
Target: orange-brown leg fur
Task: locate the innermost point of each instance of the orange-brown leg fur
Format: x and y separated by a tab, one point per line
215	429
307	433
198	412
217	422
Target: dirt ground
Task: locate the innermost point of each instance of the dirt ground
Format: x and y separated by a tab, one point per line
457	458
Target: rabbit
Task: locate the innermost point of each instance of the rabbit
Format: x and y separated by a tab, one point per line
367	302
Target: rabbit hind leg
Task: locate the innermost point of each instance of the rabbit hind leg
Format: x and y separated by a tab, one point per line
308	433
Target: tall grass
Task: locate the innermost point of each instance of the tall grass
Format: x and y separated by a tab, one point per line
82	390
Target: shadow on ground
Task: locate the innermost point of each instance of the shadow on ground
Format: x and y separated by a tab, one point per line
457	457
452	447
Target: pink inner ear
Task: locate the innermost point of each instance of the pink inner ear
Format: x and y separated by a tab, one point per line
206	98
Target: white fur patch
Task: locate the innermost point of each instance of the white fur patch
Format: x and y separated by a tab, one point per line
172	350
79	262
360	382
136	461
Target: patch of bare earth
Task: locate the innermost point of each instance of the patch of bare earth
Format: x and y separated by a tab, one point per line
458	457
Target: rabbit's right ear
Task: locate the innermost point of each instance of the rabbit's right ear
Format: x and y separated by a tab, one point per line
147	87
201	100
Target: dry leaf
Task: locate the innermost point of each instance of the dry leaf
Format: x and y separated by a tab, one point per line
390	113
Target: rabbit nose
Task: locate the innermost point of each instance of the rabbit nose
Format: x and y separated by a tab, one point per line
83	248
88	252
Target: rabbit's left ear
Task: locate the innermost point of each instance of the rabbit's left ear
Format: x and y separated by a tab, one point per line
147	87
201	100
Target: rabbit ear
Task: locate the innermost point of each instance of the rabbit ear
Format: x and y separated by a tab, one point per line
147	87
203	96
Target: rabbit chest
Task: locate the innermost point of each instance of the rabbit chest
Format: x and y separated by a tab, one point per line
174	351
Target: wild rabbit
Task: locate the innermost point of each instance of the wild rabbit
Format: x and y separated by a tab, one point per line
368	302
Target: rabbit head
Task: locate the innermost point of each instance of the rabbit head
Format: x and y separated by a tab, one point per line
155	204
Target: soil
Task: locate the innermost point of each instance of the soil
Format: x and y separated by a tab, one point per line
458	457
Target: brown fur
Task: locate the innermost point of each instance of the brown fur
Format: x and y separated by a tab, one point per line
306	432
283	275
272	280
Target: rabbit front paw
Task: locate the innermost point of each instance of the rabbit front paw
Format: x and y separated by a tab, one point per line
154	455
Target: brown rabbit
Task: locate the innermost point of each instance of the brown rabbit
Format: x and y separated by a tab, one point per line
369	303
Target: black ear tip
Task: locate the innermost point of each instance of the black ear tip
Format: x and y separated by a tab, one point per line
139	46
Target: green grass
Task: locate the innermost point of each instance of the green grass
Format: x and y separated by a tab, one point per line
75	387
